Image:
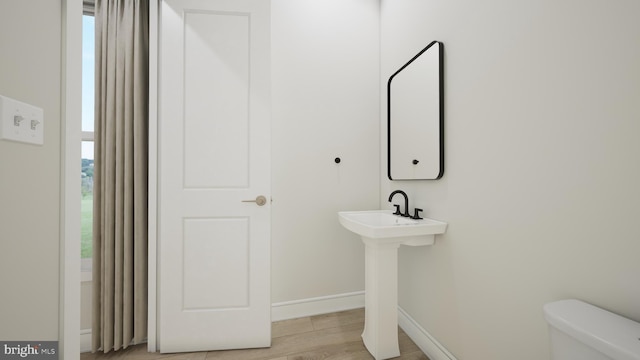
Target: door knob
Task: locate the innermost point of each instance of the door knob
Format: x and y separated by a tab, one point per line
260	200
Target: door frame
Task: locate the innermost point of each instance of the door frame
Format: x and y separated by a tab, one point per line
152	216
70	137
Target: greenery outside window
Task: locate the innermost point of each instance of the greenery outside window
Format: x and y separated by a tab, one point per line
88	65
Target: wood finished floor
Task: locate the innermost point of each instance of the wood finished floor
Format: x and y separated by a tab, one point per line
333	336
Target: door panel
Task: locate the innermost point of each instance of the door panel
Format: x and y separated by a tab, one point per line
216	100
212	249
214	154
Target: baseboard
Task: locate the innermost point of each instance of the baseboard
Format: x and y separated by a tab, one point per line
316	306
427	343
85	340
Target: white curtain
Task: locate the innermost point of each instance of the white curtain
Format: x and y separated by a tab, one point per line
120	170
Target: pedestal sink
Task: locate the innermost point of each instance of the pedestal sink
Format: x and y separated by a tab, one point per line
382	233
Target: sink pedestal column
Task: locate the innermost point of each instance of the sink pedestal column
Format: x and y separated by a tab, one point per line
382	234
380	334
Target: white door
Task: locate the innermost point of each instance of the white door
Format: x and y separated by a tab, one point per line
214	154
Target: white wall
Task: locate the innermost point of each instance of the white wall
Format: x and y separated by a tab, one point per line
325	61
30	43
541	178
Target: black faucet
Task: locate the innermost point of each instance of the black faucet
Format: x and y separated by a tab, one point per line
406	203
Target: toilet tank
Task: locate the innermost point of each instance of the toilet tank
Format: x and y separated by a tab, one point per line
580	331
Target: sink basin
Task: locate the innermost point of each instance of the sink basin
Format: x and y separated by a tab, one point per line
385	227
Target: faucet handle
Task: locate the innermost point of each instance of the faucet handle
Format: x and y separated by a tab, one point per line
416	214
397	209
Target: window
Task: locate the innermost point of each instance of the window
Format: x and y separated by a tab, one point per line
88	64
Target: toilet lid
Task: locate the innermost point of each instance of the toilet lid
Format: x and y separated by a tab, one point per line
611	334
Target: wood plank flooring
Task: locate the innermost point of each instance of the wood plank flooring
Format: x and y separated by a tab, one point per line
333	336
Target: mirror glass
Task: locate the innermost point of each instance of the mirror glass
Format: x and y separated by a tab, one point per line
415	117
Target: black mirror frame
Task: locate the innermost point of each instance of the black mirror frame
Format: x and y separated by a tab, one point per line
441	112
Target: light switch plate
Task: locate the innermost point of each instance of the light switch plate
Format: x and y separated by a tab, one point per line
21	122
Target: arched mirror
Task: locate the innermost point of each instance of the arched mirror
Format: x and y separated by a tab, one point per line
415	117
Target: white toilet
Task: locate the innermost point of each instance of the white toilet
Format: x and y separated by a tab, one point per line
580	331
